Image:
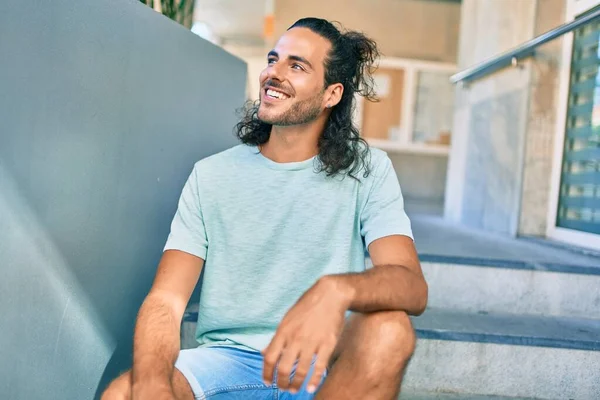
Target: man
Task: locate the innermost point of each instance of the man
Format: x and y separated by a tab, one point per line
280	224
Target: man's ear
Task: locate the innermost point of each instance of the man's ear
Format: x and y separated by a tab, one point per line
334	95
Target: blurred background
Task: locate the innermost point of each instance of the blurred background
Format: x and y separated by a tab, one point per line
497	172
489	111
419	40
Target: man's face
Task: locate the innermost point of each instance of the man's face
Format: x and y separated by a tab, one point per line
293	83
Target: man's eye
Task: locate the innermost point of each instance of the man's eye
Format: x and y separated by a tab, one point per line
297	66
270	61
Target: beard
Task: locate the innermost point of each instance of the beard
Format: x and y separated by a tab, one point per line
299	113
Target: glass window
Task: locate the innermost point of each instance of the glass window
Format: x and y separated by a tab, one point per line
434	108
579	201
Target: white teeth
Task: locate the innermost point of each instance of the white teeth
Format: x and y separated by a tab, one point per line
276	94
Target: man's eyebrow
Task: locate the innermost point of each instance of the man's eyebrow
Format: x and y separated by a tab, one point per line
302	60
273	53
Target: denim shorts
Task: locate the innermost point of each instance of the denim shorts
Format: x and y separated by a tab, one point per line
231	373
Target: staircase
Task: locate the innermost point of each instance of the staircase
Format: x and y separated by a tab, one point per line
527	328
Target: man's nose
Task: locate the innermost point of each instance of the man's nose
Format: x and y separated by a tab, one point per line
275	72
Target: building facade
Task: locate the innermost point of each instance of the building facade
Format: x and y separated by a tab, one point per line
525	153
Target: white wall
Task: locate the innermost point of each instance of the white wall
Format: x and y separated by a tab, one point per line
483	187
426	30
501	155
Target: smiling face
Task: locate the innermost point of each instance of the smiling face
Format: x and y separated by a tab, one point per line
293	83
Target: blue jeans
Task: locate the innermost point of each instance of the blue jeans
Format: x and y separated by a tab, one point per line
230	373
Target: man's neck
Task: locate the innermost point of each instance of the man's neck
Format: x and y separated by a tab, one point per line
293	143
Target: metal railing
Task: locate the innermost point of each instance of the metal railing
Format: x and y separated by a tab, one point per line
527	49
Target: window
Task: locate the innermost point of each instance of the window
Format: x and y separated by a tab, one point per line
434	108
579	194
415	109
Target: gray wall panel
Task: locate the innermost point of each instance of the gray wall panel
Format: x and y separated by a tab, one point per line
104	108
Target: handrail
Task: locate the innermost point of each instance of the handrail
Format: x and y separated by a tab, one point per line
525	50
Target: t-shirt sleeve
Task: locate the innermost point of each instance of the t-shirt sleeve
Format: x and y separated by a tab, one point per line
383	213
188	232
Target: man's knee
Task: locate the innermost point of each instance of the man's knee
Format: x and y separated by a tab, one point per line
394	331
119	389
392	340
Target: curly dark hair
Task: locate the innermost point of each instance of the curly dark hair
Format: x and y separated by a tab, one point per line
351	62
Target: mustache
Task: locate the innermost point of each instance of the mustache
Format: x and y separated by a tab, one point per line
276	85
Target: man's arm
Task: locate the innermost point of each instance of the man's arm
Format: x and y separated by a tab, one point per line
396	281
157	332
313	325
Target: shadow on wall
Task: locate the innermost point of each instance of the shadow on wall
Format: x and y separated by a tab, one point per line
48	313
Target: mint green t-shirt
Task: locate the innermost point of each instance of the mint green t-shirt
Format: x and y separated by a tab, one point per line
268	231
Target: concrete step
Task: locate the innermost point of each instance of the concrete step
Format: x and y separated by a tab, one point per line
462	355
495	285
522	330
505	355
454	396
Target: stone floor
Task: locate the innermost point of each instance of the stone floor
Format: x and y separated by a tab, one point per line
435	236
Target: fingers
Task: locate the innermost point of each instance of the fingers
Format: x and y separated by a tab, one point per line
271	356
284	352
323	356
286	364
302	369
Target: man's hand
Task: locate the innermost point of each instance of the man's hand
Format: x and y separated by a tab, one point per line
155	391
310	328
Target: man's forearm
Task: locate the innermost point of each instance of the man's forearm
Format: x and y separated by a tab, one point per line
156	342
385	287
